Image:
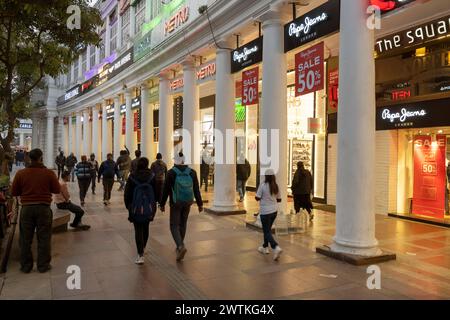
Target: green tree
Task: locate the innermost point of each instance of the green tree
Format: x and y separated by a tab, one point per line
35	41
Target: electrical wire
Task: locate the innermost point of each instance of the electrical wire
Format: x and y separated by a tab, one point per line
212	32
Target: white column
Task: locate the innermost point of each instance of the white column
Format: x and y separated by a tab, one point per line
50	140
64	142
355	203
146	124
165	121
21	139
274	93
117	127
225	174
77	142
105	136
35	132
70	145
132	21
129	127
191	116
86	133
108	38
95	134
97	56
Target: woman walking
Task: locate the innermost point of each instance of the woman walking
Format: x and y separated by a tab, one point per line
140	200
83	172
268	195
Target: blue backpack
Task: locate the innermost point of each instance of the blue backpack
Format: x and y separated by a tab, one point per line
144	204
183	190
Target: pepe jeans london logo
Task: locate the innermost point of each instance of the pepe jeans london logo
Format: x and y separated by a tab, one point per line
244	54
305	27
403	115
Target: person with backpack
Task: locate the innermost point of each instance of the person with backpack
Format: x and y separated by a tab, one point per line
108	169
60	161
159	169
94	172
83	171
124	165
140	201
243	171
182	187
268	196
71	161
302	187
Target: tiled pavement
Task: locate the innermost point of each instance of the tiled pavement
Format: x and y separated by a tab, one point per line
222	261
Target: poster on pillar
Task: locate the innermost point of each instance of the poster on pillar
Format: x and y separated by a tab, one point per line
136	121
250	92
124	125
309	70
429	176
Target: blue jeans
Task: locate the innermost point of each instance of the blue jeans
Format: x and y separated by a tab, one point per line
267	221
240	184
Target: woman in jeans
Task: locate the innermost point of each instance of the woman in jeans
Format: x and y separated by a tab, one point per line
268	195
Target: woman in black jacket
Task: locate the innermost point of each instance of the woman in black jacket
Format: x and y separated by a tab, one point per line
302	188
142	175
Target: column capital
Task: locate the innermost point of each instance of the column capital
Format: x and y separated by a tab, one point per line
271	17
164	75
188	63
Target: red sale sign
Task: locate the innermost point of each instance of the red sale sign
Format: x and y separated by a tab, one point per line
250	92
429	176
309	70
124	125
136	121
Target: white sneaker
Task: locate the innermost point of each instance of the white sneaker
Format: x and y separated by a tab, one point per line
277	253
263	250
139	260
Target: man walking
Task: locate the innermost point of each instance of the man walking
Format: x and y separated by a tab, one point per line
124	165
71	161
108	169
35	186
159	169
60	161
134	163
181	186
84	176
243	171
94	172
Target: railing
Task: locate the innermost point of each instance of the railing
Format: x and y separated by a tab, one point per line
9	214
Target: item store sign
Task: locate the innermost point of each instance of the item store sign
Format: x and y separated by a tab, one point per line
250	92
429	176
317	23
415	36
72	93
309	70
247	55
434	113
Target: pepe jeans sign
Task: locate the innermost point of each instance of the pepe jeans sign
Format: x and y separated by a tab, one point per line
434	113
415	36
247	55
315	24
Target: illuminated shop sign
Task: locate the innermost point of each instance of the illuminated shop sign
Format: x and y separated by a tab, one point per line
401	94
110	112
389	5
123	109
24	125
72	93
111	70
317	23
434	113
94	71
247	55
136	103
176	84
414	36
206	72
176	21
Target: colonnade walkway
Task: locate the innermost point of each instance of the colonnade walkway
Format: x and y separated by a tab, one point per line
222	261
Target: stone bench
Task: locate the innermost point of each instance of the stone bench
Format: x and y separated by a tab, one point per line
61	219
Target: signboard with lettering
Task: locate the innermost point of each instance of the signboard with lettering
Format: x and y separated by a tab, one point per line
390	5
317	23
247	55
25	125
110	112
433	113
250	92
429	176
177	20
415	36
206	72
309	70
111	70
136	102
72	93
178	112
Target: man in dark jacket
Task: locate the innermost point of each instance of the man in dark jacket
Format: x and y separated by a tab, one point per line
134	163
302	188
159	169
35	186
60	161
142	174
124	165
83	171
179	210
71	161
94	172
108	169
243	171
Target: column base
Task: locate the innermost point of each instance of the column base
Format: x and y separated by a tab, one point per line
231	210
351	256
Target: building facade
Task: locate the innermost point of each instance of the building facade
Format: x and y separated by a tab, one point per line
167	69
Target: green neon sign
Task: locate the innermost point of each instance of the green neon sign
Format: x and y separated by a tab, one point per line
166	11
